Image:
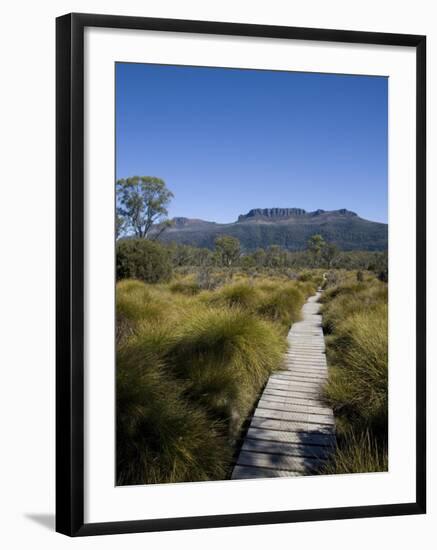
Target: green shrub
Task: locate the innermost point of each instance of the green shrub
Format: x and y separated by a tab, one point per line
142	259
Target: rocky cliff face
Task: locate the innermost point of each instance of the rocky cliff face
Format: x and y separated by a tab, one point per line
285	213
272	213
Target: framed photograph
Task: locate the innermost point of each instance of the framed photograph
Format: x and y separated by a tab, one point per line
240	274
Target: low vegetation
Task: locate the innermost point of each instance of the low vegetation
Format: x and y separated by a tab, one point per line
355	320
190	366
200	329
144	260
133	259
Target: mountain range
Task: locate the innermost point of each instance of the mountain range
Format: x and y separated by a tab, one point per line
289	228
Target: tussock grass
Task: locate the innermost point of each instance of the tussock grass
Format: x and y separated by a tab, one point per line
283	305
314	276
188	287
276	300
224	356
348	299
357	453
190	366
240	294
139	304
357	387
356	316
161	437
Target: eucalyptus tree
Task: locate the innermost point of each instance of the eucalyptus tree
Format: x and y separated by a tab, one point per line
142	206
227	250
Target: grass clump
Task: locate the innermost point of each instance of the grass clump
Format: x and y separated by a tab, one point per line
277	300
358	385
345	300
161	436
283	305
357	453
356	316
224	356
240	294
185	286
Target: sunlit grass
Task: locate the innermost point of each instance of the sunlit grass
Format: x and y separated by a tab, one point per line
161	436
355	316
190	366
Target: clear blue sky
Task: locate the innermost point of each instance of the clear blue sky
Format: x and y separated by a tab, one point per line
228	140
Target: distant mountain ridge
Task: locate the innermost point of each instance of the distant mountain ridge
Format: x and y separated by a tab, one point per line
287	227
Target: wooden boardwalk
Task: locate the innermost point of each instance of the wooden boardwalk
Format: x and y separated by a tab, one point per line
291	432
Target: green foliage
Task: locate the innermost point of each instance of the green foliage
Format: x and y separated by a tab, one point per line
227	250
142	259
322	253
184	255
329	254
276	257
315	244
120	225
141	204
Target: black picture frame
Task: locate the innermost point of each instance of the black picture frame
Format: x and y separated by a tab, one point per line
70	273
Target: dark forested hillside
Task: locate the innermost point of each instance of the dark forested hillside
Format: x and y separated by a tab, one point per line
289	228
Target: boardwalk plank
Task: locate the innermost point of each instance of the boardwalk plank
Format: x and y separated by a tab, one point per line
327	440
291	449
293	407
279	462
284	425
298	394
295	416
301	388
289	399
293	382
292	431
